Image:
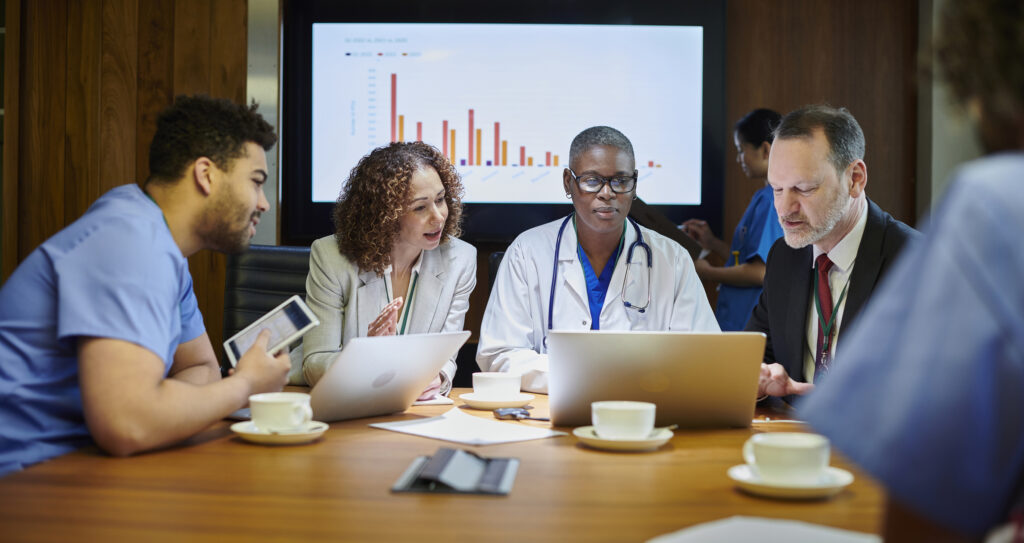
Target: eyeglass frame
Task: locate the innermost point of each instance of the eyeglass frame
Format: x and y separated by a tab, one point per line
606	181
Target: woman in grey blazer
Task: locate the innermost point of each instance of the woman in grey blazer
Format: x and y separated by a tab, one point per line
393	265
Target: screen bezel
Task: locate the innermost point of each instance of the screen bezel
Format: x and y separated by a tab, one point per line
303	221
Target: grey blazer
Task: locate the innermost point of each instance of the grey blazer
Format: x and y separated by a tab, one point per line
346	300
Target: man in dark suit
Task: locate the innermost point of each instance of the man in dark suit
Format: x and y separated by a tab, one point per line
836	248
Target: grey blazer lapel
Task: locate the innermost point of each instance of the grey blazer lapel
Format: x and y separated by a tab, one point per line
371	290
428	314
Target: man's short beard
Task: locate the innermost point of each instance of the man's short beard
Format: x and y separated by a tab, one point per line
217	230
832	217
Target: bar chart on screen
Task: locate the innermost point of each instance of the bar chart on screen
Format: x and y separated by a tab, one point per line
503	102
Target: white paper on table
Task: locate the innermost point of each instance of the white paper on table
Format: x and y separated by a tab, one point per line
764	530
436	400
459	427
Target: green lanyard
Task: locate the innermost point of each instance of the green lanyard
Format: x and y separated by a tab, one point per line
826	328
408	301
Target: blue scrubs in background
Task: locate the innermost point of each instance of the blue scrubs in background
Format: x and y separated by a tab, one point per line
753	238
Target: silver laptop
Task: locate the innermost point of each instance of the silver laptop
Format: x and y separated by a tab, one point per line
381	375
696	379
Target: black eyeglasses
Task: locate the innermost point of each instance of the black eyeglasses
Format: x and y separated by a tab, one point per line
591	183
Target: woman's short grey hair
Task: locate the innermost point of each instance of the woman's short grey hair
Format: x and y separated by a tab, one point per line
845	138
599	135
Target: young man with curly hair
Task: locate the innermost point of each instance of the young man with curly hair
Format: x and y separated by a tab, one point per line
101	339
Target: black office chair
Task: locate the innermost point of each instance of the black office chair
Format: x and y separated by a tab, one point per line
493	262
258	280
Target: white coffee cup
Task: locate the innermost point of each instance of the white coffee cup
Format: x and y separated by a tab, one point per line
495	384
280	411
623	420
788	458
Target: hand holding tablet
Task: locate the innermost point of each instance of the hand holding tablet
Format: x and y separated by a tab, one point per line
286	323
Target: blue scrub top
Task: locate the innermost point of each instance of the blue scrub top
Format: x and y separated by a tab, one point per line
754	236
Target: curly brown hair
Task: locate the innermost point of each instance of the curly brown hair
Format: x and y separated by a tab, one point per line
367	215
978	48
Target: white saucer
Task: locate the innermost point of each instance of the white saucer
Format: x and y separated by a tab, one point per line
658	437
490	404
249	432
834	480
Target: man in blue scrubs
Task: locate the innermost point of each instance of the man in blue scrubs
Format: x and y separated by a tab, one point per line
101	339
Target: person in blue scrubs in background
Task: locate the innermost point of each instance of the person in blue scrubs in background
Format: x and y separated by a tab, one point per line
743	274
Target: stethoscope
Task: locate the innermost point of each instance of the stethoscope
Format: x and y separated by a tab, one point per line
629	262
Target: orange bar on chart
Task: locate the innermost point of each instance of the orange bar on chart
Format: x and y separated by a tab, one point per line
530	161
478	136
401	128
452	146
504	152
556	160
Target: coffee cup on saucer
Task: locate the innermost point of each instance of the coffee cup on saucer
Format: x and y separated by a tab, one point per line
787	458
280	411
495	385
620	420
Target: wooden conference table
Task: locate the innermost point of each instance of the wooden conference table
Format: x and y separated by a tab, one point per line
220	488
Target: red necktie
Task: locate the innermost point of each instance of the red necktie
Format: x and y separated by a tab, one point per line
821	360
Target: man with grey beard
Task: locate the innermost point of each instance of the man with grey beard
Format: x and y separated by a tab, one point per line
836	248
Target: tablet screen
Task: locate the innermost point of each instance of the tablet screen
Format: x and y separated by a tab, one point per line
282	325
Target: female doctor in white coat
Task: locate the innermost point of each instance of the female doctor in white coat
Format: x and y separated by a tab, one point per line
393	265
571	274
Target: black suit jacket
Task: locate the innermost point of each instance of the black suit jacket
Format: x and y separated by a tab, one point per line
781	312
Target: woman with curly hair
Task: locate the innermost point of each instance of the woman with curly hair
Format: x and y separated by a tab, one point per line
393	265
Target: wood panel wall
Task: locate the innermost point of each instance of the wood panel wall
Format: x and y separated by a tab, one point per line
786	53
91	77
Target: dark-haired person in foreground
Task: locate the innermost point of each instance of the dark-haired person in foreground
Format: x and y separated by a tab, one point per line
101	339
741	278
837	246
929	396
394	264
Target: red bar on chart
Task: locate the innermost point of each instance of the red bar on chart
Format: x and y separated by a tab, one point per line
401	128
497	144
419	131
453	146
547	158
556	160
478	136
522	156
650	163
394	104
504	152
470	137
444	138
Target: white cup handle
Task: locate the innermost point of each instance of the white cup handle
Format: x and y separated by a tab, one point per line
748	453
302	414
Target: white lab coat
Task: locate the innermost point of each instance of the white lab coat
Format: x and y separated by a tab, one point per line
515	321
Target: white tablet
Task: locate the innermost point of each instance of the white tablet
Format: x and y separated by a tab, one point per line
286	322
